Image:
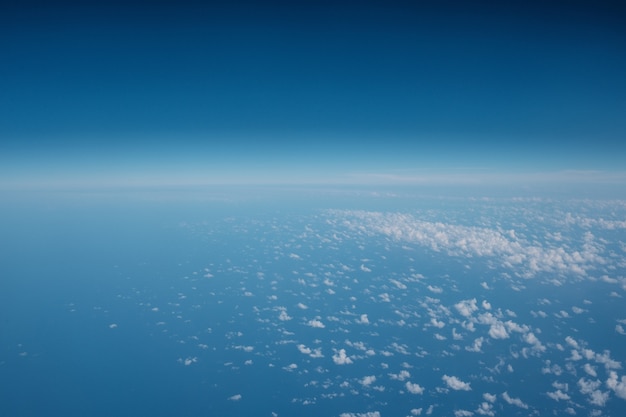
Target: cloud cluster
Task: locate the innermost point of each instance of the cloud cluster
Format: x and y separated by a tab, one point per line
456	384
471	241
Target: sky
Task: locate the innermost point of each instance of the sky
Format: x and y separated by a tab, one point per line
311	92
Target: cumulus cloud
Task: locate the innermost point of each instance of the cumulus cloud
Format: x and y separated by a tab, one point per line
558	395
456	384
235	397
498	331
404	374
368	380
466	307
485	409
414	388
617	385
340	358
368	414
591	389
514	401
316	323
471	241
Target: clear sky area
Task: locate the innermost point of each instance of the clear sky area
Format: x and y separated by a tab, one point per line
311	92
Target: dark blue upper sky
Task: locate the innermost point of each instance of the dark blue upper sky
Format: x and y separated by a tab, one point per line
350	86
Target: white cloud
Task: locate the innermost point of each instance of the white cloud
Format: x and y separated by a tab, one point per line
404	374
514	401
413	388
235	397
490	397
283	316
368	380
368	414
590	370
340	358
466	307
617	385
476	346
558	395
316	323
363	319
591	388
304	349
498	331
456	384
467	241
531	339
485	409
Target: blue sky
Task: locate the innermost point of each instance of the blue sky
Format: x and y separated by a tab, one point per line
318	91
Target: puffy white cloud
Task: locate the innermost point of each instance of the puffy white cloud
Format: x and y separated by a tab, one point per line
413	388
498	331
455	383
468	241
316	323
591	388
235	397
368	414
363	319
463	413
304	349
404	374
340	358
590	370
617	385
573	343
558	395
368	380
485	409
283	316
466	307
490	397
476	346
514	401
531	339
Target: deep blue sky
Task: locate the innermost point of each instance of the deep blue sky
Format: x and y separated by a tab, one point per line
318	89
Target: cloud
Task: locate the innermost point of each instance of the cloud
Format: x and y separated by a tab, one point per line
485	409
514	401
558	395
368	380
368	414
414	388
617	385
531	339
498	331
283	316
340	358
471	241
476	346
235	397
403	375
591	388
456	384
316	323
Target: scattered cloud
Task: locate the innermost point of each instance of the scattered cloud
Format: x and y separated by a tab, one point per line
456	384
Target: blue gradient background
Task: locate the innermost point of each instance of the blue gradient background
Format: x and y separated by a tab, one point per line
131	93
